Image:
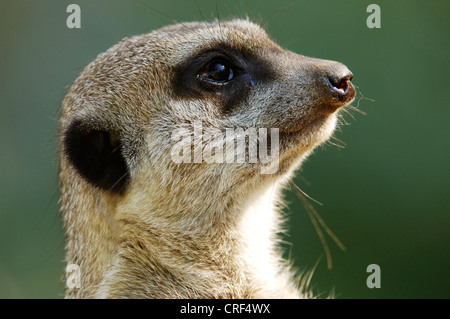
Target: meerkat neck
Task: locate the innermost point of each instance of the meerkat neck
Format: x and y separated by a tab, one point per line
259	231
237	261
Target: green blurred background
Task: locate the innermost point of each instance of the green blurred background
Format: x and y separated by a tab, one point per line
386	194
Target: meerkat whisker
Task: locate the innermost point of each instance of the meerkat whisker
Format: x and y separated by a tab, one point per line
316	221
340	143
345	110
355	108
304	194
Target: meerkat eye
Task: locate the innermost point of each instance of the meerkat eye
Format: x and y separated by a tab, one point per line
218	72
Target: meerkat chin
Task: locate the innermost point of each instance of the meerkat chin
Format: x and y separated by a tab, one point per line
141	224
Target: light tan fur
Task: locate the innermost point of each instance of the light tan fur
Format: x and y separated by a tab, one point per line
192	230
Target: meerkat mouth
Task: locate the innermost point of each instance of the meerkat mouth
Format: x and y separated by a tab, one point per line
308	125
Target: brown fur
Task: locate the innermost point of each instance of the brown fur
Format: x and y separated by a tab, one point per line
192	230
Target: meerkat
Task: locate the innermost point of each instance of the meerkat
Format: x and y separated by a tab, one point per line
139	225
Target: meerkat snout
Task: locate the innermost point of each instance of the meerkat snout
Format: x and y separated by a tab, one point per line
139	223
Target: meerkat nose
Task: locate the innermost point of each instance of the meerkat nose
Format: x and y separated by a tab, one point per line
339	80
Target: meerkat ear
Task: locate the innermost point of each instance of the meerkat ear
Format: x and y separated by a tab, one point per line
97	156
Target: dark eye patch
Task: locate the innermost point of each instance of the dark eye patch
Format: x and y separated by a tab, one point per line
97	156
229	84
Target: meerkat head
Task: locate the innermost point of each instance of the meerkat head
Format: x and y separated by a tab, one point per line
129	125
